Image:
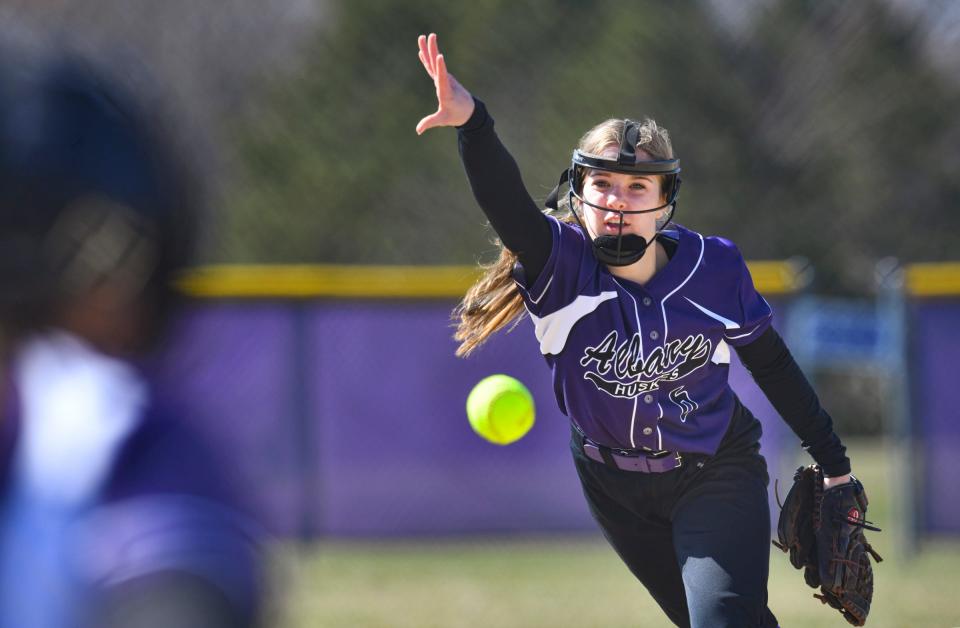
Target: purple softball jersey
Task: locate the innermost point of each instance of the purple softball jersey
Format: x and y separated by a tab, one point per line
645	366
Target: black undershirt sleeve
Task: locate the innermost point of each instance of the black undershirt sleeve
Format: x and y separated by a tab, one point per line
779	376
497	186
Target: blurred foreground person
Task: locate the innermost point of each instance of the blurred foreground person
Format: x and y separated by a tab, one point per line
113	511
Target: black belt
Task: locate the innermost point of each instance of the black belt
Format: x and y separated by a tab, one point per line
631	459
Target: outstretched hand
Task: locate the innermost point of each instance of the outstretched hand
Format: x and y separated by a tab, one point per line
454	103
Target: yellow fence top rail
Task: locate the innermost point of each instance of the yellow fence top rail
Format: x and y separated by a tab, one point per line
932	279
378	282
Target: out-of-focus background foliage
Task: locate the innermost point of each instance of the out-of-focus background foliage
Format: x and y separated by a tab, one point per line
825	130
804	128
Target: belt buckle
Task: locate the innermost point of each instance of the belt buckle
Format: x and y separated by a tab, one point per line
643	452
665	459
663	453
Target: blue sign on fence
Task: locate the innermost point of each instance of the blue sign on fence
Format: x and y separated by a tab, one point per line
843	332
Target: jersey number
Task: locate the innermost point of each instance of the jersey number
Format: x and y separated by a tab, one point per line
681	398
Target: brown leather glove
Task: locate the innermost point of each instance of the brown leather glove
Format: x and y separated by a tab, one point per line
823	532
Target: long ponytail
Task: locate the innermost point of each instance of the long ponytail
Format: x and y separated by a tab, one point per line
490	304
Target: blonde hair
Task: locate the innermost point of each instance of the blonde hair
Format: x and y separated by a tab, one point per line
494	301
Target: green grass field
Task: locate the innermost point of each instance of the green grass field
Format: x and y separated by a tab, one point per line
580	582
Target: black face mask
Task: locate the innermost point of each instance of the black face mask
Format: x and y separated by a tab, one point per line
620	249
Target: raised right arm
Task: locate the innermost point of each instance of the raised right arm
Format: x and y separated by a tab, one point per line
494	176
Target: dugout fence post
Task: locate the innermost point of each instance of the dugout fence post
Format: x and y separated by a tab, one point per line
931	296
900	441
305	428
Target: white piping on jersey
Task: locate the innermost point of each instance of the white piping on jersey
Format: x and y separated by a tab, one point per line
636	313
722	354
752	331
727	323
758	325
549	281
663	303
743	335
553	329
659	434
543	292
537	300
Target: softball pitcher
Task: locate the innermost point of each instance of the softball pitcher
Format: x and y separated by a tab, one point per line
636	317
